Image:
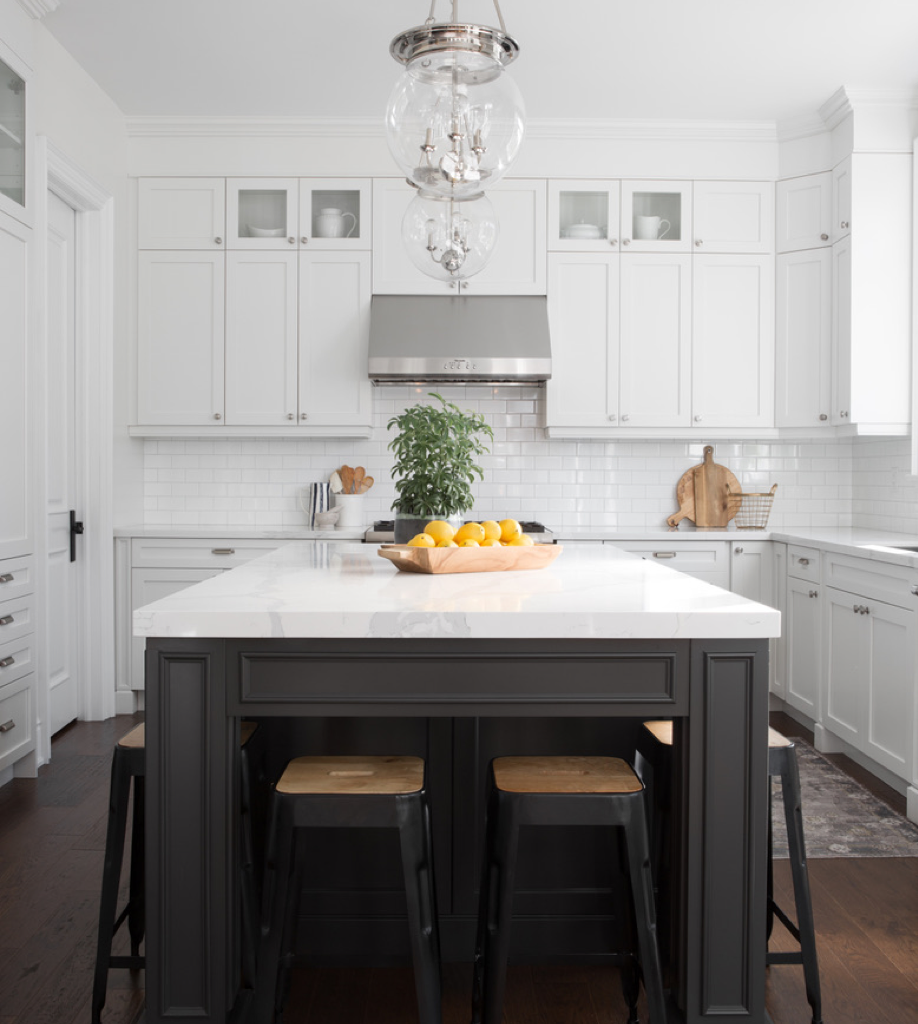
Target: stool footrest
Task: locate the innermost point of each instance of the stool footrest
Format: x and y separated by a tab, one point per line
785	920
132	963
784	958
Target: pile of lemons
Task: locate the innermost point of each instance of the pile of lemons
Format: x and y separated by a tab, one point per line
487	534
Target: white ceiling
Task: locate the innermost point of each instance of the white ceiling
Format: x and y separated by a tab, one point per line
607	59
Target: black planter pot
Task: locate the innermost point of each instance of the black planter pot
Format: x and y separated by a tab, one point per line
407	526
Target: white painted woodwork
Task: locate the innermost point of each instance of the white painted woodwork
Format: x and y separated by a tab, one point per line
266	203
732	341
802	627
353	195
733	216
180	337
17	136
803	338
334	330
708	562
583	315
803	212
752	575
841	333
890	697
842	196
15	478
393	271
63	613
261	338
181	213
847	668
671	200
17	705
656	340
580	201
778	662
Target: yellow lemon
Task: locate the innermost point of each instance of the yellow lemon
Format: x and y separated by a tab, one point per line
447	544
491	529
521	540
422	540
509	528
439	530
468	543
491	542
470	531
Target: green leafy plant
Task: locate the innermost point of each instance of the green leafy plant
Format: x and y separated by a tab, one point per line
435	450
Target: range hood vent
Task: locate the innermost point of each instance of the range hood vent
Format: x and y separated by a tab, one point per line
459	339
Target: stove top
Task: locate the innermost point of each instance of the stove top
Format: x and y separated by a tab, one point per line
383	532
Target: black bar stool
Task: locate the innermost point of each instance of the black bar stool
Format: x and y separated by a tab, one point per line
336	792
560	791
129	765
655	748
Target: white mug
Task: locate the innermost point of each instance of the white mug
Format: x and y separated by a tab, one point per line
331	223
650	227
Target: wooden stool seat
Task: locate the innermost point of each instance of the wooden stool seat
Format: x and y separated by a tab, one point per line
565	775
344	775
136	739
662	732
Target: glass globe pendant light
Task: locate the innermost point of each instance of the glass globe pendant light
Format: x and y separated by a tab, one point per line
447	238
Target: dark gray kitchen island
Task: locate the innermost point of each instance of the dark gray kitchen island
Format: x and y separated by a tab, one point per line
330	646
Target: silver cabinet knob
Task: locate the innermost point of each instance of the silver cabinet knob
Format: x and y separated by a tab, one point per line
292	240
625	418
304	240
803	561
857	609
845	224
7	726
915	591
737	551
823	417
613	241
697	419
844	414
824	237
304	416
218	240
626	241
6	662
290	416
814	593
612	417
218	416
698	242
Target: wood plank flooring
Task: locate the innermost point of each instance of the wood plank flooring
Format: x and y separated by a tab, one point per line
52	837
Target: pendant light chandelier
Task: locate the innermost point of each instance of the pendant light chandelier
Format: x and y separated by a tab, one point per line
454	125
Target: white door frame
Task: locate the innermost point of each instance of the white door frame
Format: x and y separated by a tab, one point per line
94	330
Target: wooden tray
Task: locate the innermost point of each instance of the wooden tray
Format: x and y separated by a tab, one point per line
443	560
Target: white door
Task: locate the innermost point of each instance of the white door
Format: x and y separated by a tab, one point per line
62	496
734	216
802	627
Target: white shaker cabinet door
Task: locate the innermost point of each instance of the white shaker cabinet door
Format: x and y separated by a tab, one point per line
734	216
181	213
261	338
841	200
656	342
733	341
841	332
15	486
583	311
803	212
180	338
803	338
802	629
334	331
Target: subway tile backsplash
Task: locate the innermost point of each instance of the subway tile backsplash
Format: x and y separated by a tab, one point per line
621	483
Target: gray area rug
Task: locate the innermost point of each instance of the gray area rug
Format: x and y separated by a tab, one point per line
840	817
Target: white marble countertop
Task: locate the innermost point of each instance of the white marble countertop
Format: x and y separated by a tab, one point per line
348	591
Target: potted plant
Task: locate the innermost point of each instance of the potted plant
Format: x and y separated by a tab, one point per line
435	451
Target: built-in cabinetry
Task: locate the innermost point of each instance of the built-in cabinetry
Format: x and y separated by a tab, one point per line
15	147
803	631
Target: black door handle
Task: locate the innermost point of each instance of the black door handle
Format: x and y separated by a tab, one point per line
75	528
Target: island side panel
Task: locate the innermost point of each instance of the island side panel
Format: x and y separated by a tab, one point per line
724	757
188	857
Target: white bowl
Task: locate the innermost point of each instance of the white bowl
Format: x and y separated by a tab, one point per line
583	231
264	232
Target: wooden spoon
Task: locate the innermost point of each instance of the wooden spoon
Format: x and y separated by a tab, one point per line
347	479
366	484
359	474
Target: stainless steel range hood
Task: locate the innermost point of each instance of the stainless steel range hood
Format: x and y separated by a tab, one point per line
479	339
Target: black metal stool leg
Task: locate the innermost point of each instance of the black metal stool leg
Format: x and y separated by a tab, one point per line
279	863
770	874
484	895
137	904
501	868
631	988
248	895
413	812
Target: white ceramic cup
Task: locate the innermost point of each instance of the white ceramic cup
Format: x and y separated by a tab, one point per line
650	228
332	223
351	506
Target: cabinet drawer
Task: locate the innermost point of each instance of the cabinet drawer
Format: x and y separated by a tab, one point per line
158	552
16	659
708	562
17	577
803	563
17	617
881	581
17	716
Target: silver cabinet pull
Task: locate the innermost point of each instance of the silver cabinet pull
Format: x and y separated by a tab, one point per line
7	726
861	609
626	241
7	577
626	417
823	417
613	241
697	419
6	620
698	241
292	240
218	240
814	593
664	554
304	415
218	416
737	551
612	417
304	240
223	551
824	237
845	224
803	561
915	591
290	416
6	662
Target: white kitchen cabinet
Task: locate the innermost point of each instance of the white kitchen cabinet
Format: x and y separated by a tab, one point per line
517	265
262	213
17	719
181	213
583	216
261	338
803	630
753	575
842	195
15	478
734	216
180	338
803	338
732	341
705	561
841	333
16	132
803	212
656	340
778	672
583	315
336	213
656	216
334	329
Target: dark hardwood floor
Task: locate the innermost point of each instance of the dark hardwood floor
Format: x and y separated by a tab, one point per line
52	836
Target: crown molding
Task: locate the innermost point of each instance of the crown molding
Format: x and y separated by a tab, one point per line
162	126
39	8
803	127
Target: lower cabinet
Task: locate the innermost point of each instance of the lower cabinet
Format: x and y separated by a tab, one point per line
802	628
18	711
709	562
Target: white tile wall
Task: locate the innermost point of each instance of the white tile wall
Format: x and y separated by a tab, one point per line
561	483
885	493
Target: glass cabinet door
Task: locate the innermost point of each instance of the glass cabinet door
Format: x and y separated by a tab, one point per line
12	140
656	216
583	216
261	213
335	213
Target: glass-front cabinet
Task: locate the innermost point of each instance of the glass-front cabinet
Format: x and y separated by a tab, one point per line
656	216
583	216
12	141
262	213
335	213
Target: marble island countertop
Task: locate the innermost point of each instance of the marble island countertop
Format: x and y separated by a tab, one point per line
320	590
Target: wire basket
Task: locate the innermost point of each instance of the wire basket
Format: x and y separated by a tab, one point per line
751	511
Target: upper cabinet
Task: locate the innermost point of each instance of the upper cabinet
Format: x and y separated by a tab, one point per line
181	213
14	136
841	200
583	216
262	213
734	216
803	214
336	213
656	216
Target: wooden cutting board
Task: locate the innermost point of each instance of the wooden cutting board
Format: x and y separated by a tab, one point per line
702	494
